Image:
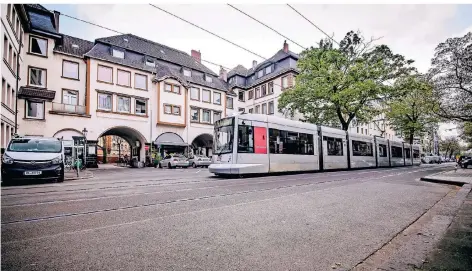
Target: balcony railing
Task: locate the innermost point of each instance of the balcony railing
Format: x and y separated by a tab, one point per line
68	108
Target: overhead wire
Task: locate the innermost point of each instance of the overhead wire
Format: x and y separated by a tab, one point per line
267	26
317	27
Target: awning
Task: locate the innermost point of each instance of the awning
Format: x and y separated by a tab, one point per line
170	139
36	93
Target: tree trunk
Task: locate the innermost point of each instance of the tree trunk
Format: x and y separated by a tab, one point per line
411	137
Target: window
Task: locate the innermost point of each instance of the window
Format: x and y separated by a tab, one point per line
264	109
285	82
216	116
150	63
118	53
396	151
287	142
176	110
360	148
335	146
70	97
241	110
229	102
264	90
195	94
241	96
34	110
10	55
123	78
217	98
140	81
362	130
245	139
124	104
176	89
104	101
168	87
271	108
206	116
416	154
5	47
70	69
38	46
258	93
195	115
167	109
9	13
14	62
105	74
268	69
258	108
382	150
206	96
260	73
140	107
4	90
37	77
250	94
17	26
407	153
251	110
208	78
270	86
187	73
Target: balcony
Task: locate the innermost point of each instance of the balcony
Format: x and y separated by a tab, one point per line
67	109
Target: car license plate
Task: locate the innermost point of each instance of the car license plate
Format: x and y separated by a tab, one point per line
32	173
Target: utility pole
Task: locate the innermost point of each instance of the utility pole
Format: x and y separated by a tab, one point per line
17	84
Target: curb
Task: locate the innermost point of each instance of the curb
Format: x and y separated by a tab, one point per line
441	181
89	176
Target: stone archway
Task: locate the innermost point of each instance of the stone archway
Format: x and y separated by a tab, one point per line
133	137
203	144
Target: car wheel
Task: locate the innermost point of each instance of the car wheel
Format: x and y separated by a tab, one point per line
169	165
194	165
160	165
185	167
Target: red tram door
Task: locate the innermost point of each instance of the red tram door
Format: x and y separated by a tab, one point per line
260	140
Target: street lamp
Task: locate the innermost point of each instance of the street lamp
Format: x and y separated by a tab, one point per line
84	132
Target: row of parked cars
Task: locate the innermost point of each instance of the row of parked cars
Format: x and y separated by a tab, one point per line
179	160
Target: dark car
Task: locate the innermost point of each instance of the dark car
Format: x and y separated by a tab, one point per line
33	158
465	162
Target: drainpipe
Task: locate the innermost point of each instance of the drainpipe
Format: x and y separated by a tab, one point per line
17	84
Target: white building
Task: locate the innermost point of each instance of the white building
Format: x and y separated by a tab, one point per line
13	20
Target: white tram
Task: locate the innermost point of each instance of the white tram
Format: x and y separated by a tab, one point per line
255	143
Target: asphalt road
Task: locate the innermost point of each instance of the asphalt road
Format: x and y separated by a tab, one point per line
185	219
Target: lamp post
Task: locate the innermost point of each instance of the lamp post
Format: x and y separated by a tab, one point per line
119	141
84	132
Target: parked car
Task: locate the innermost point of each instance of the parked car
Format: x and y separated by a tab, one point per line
33	158
466	162
173	161
430	159
199	161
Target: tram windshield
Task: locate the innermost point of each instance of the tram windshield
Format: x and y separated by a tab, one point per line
224	134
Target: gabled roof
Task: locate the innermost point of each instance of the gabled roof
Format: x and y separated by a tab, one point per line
157	50
239	70
73	46
280	55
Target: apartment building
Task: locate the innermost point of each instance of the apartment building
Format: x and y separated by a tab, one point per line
14	20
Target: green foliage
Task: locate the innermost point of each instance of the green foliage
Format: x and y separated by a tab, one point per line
465	130
451	73
450	146
412	112
336	85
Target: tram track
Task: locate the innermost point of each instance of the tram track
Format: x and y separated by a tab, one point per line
118	208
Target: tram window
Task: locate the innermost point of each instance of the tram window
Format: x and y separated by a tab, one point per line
382	150
287	142
396	151
407	153
361	148
416	154
335	146
245	139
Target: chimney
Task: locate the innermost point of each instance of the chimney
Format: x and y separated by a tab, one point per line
285	46
56	19
254	64
197	55
223	74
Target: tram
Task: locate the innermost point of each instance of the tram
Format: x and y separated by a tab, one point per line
258	144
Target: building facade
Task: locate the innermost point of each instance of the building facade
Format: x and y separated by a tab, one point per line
149	94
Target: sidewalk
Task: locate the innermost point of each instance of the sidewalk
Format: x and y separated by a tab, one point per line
454	251
456	177
72	175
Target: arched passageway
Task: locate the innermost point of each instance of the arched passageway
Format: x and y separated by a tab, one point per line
128	141
203	145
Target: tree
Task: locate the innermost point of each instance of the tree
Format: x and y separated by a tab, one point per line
451	73
450	146
336	85
465	132
412	113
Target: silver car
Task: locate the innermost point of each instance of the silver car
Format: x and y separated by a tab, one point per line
199	161
173	161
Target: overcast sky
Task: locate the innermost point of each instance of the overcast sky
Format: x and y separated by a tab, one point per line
411	30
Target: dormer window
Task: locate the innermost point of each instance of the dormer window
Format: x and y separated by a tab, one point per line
260	74
150	63
268	70
231	80
118	53
75	46
187	73
208	79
